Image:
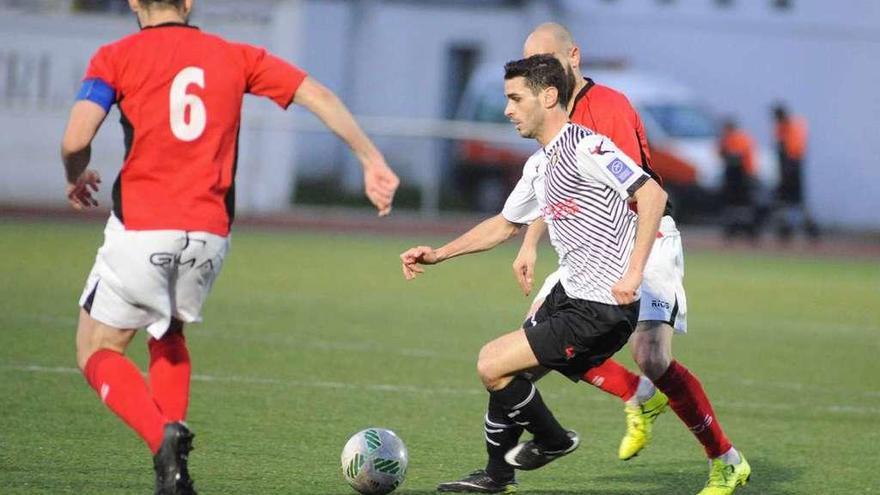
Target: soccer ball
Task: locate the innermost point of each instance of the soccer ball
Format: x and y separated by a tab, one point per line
374	461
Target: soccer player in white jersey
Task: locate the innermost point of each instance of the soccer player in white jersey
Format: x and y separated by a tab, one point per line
580	183
663	306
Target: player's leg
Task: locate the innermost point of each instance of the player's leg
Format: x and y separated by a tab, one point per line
514	403
118	382
129	288
200	262
170	371
500	365
652	350
501	434
662	300
641	410
611	376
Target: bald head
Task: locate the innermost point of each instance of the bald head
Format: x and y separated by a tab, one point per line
554	39
550	38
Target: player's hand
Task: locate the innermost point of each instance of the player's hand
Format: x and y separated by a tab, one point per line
626	290
413	257
79	194
524	268
380	184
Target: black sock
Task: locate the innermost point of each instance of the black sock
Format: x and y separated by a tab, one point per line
523	405
502	434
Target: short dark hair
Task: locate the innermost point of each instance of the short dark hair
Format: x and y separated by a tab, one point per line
177	4
780	111
540	72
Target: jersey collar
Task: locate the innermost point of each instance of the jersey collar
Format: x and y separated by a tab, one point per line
548	150
170	24
581	94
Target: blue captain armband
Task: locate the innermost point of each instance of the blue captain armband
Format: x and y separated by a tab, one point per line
97	91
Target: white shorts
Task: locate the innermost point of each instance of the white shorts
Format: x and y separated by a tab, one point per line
662	290
143	278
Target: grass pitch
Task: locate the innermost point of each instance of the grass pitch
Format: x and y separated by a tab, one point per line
311	337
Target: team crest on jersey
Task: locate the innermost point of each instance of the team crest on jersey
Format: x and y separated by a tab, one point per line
554	157
620	170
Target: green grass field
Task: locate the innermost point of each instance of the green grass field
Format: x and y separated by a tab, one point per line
311	337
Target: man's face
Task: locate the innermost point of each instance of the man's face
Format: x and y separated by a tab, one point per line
539	44
523	108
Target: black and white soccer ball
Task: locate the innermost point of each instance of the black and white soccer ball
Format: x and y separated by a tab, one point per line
374	461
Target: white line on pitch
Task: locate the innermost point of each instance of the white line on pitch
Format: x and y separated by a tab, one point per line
413	389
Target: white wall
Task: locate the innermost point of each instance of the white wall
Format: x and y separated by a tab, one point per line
389	59
822	61
391	62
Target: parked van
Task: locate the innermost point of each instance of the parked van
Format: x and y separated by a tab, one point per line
682	133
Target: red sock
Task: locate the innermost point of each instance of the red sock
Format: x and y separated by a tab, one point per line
123	389
689	401
169	374
613	378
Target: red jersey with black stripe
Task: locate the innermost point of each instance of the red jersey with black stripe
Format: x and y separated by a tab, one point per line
608	112
179	91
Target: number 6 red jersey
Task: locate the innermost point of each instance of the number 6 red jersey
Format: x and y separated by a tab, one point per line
179	91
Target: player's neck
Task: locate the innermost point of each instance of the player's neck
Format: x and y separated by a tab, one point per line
553	124
155	17
578	86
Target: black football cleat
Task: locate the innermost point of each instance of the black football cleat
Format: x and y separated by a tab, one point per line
478	482
170	463
531	455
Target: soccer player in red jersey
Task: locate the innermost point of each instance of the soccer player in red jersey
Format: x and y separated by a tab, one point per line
179	91
667	383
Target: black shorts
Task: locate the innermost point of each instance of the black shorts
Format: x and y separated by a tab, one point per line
573	335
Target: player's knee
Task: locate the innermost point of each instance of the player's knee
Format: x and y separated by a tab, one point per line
651	361
92	336
86	346
652	348
487	370
82	357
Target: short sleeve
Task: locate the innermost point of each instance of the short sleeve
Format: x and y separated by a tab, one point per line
102	67
522	205
601	160
270	76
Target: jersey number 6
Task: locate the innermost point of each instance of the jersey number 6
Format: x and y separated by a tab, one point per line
180	101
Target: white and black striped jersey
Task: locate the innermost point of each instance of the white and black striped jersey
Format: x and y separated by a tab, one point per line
580	183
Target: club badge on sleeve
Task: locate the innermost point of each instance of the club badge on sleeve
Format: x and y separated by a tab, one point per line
620	170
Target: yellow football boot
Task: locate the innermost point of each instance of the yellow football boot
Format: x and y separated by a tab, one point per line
724	478
639	422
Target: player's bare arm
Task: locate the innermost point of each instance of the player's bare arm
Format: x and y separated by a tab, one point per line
483	237
651	201
524	263
76	150
380	182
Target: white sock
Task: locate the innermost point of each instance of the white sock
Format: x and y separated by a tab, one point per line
644	392
731	457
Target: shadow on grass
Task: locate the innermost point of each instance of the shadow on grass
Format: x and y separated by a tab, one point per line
768	478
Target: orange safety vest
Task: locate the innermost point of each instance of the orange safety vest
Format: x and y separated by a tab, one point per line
791	134
739	143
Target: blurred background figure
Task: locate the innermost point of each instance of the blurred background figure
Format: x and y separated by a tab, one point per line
791	144
737	150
